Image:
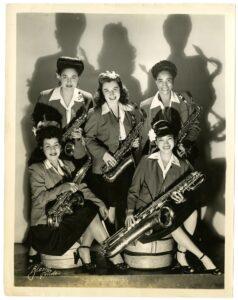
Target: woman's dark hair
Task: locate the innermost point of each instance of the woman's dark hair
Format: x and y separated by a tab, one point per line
65	62
108	77
48	132
164	65
46	113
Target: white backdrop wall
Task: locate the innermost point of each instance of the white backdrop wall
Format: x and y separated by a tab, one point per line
130	46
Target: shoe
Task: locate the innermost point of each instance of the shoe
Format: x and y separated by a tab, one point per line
86	267
215	271
120	267
33	259
182	269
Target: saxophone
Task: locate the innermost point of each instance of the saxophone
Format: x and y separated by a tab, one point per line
123	160
65	202
185	129
160	212
74	124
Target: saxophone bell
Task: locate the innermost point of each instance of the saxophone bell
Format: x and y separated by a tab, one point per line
165	216
69	149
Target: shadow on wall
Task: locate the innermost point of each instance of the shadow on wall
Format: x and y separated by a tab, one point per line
119	54
193	76
68	33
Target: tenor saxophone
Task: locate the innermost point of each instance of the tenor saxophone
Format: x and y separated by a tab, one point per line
65	202
159	212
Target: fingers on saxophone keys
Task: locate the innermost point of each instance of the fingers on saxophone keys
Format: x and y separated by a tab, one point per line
74	187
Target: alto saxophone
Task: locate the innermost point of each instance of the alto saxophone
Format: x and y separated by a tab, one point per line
110	173
65	202
74	124
185	129
159	212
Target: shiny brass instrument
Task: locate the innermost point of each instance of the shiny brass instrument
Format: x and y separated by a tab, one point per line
121	155
185	129
159	212
74	124
65	202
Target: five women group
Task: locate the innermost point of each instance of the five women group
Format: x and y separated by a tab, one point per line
110	118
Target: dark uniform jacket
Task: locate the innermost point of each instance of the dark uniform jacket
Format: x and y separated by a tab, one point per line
80	99
102	131
181	102
46	186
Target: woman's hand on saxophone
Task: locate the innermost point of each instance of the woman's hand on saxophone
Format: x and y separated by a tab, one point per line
130	220
70	187
136	143
77	133
178	197
103	212
109	160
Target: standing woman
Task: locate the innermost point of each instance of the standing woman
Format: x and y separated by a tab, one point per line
68	99
107	127
164	73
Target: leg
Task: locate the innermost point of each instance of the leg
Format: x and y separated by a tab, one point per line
187	244
191	222
190	226
99	233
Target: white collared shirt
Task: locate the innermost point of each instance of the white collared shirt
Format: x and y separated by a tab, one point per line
59	170
122	109
157	103
77	97
173	160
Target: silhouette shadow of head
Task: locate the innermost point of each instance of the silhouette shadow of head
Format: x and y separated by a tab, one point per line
119	54
176	29
69	29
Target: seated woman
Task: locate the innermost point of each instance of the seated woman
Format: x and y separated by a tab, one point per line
108	125
48	179
155	174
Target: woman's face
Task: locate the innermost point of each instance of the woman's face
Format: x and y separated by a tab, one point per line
69	78
51	149
164	83
111	91
165	143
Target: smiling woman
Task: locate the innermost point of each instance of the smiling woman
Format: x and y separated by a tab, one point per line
48	180
68	99
164	73
108	126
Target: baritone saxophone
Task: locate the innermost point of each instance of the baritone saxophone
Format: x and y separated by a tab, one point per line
159	212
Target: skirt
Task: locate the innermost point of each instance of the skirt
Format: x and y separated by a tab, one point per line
113	194
56	241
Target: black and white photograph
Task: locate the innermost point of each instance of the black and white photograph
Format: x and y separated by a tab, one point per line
119	137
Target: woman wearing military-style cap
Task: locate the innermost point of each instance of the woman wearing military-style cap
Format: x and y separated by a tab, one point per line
67	98
164	73
155	175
